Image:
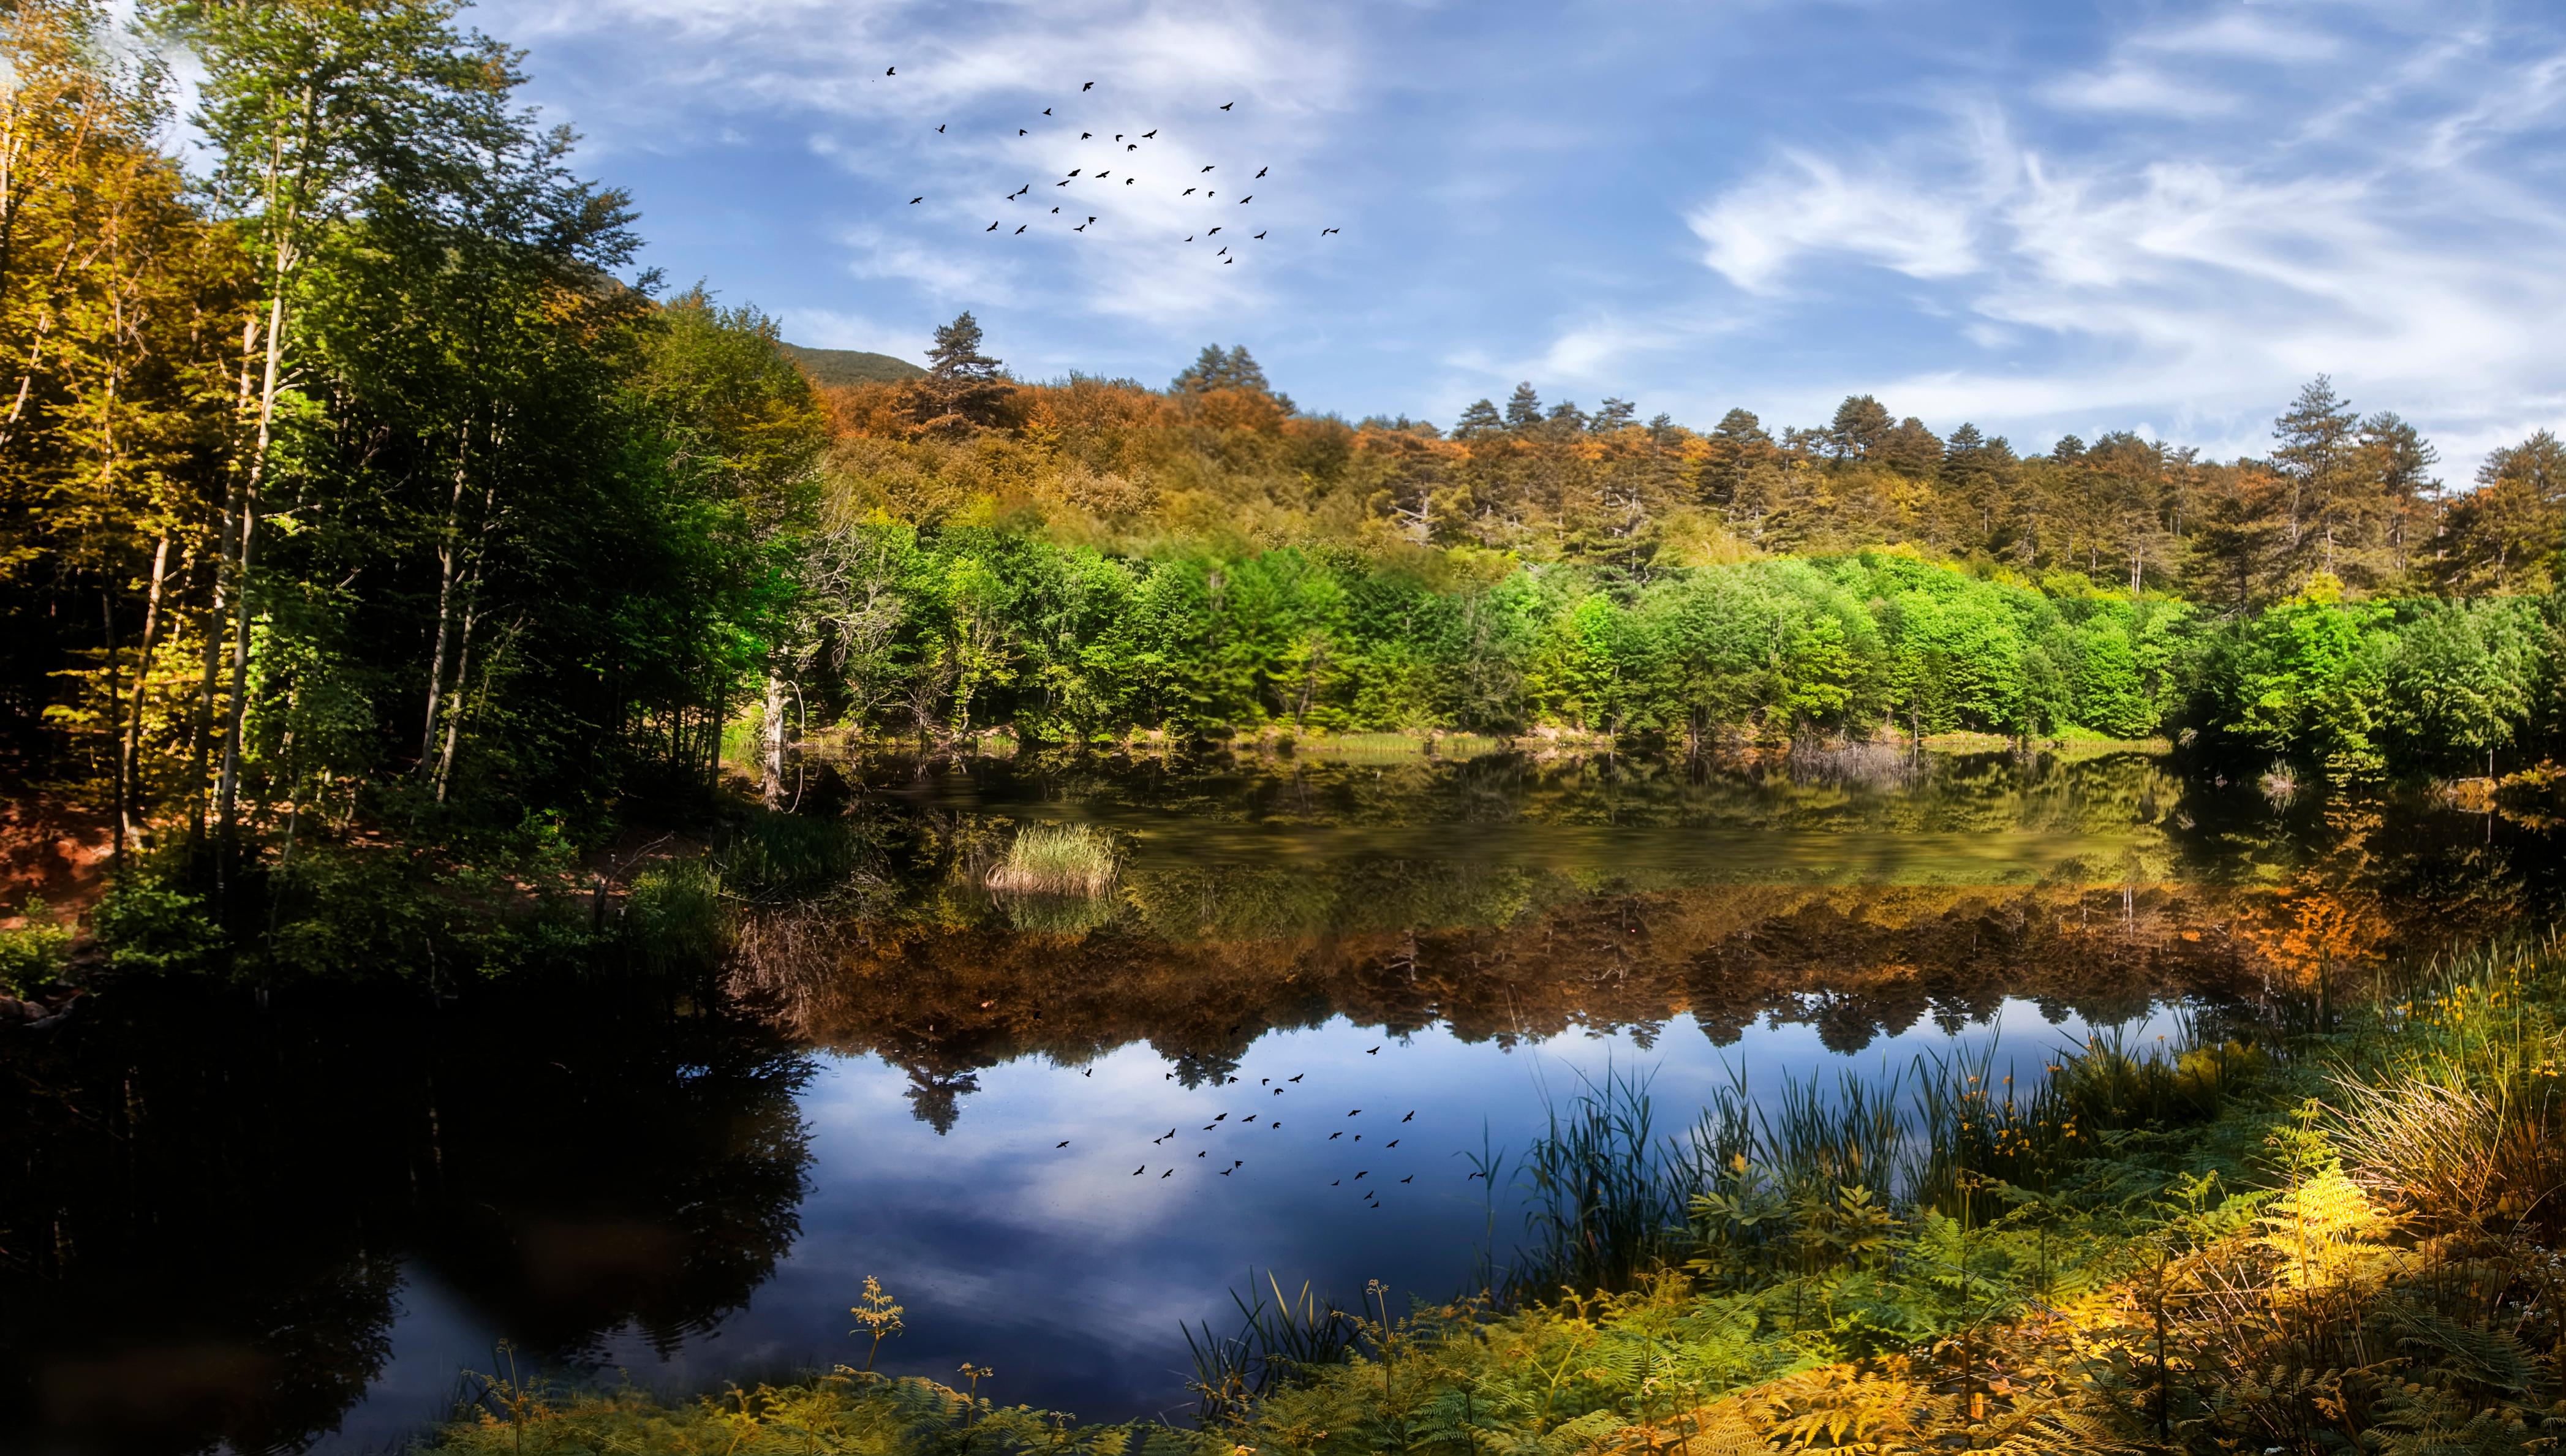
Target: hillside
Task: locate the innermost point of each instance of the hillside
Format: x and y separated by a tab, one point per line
838	367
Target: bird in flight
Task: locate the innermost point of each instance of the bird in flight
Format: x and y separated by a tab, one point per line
1046	111
1153	132
1394	1143
1064	1143
1410	1178
1063	183
1243	201
1082	136
1260	172
1131	147
1260	236
1091	85
1375	1051
1101	176
1169	1173
1127	181
993	227
1357	1113
1135	1172
1323	232
1213	231
1410	1117
1333	1137
1189	237
1207	168
1082	227
914	201
1225	262
892	71
1073	171
1021	131
1054	212
1020	227
1225	106
1189	193
940	131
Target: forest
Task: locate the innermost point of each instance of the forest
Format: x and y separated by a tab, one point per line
362	506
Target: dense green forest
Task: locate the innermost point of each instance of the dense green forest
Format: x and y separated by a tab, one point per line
360	506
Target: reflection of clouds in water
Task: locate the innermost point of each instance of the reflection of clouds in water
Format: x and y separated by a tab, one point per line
432	1341
1072	1276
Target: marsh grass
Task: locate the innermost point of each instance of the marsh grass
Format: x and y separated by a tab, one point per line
1279	1341
1070	860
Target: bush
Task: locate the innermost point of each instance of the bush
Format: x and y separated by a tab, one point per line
147	924
33	954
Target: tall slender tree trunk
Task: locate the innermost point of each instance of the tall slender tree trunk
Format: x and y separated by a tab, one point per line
772	775
449	566
130	751
227	793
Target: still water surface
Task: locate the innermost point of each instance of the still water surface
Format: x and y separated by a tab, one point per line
292	1229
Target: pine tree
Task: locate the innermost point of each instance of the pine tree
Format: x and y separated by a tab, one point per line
956	354
2317	453
1612	414
964	390
1481	419
1523	407
1910	449
1861	423
1737	445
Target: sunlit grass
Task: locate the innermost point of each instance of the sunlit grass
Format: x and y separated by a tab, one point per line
1058	859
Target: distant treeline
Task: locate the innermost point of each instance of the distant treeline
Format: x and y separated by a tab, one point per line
969	625
1220	457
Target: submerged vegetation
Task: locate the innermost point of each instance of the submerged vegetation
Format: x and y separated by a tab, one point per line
2335	1236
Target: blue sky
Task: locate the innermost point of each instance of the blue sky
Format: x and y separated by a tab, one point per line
2042	217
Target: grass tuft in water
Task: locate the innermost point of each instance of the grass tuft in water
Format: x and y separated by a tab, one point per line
1058	859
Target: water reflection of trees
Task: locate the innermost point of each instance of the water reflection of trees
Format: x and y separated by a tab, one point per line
205	1210
1271	894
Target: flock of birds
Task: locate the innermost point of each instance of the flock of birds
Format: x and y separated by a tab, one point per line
1369	1195
1123	150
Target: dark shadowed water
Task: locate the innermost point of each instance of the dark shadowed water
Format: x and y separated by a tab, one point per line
293	1228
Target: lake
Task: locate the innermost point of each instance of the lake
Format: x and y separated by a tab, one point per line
1061	1130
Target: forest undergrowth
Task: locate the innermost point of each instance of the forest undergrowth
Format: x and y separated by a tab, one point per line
2333	1229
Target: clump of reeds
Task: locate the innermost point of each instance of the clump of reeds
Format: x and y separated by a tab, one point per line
1058	859
1279	1342
2280	784
1862	763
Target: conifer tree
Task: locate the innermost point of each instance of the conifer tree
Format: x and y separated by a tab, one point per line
1480	419
1523	407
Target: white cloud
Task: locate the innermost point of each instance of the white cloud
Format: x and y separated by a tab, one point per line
1807	204
2197	274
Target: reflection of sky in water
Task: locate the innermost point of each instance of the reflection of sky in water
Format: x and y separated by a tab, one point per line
1071	1275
